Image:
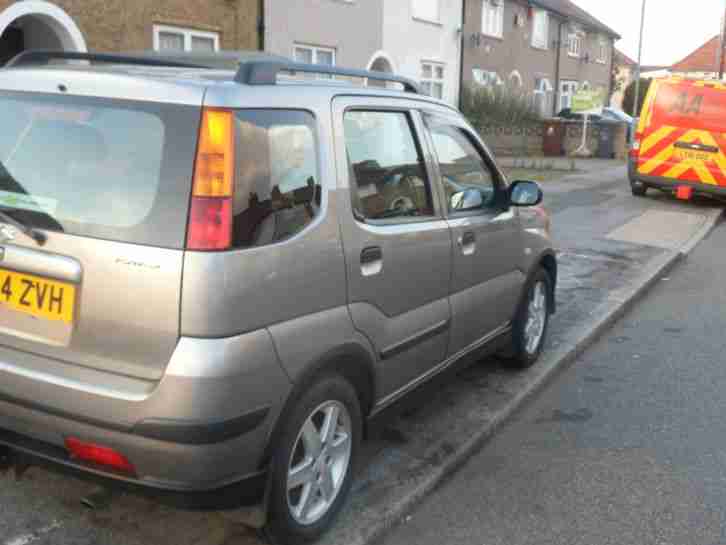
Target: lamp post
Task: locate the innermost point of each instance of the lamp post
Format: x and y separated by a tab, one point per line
636	102
721	59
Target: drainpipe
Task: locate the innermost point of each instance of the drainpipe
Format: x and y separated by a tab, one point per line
462	43
261	26
558	88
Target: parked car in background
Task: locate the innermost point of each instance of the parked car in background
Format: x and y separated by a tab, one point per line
679	143
340	247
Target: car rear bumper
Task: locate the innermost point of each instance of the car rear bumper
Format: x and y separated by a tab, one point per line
671	184
160	467
22	451
204	427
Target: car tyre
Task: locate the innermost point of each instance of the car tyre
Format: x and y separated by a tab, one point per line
312	466
639	189
529	329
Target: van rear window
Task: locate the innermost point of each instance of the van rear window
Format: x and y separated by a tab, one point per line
690	106
116	170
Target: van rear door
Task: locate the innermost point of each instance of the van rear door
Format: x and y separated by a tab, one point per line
108	182
682	136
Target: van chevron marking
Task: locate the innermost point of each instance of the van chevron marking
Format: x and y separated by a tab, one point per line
668	122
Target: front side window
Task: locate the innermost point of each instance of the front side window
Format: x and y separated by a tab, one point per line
277	190
432	79
466	178
540	29
387	168
492	18
170	38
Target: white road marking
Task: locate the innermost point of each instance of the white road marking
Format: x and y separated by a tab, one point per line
34	535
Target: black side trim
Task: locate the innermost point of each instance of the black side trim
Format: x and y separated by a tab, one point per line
412	341
186	433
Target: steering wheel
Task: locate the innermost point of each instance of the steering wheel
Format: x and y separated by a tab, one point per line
402	204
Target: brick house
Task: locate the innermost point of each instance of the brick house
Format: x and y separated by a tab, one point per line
703	63
128	25
550	48
624	68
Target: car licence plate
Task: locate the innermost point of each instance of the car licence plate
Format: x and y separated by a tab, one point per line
684	154
37	296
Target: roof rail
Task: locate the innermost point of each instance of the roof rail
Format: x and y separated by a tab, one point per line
266	72
35	56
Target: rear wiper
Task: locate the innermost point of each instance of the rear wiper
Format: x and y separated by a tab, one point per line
27	230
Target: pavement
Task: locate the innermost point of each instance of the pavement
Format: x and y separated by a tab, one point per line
624	447
607	260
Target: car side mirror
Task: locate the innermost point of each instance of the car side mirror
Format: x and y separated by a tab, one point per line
469	199
525	193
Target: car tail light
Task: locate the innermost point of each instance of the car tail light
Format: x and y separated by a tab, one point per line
210	215
90	452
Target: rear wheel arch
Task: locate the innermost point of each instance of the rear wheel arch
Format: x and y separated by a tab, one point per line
350	361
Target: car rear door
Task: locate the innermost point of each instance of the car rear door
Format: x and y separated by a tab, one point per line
682	132
486	281
396	242
107	182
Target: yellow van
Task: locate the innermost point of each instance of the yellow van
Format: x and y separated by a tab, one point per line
681	137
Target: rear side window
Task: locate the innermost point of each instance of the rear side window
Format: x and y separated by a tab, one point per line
387	166
277	189
99	168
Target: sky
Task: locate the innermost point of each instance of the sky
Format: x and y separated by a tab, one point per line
673	28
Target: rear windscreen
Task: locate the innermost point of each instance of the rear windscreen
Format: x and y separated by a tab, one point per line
98	168
690	106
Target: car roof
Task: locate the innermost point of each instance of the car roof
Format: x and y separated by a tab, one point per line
187	79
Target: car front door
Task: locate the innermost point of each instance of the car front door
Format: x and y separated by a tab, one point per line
486	282
397	243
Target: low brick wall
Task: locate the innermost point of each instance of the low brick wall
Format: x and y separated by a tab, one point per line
528	140
521	141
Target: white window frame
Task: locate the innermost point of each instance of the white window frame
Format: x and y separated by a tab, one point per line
433	79
575	43
568	89
515	80
187	33
418	16
486	78
315	49
544	42
492	11
602	51
544	89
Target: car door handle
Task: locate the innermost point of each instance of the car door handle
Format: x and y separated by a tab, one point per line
371	260
467	243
